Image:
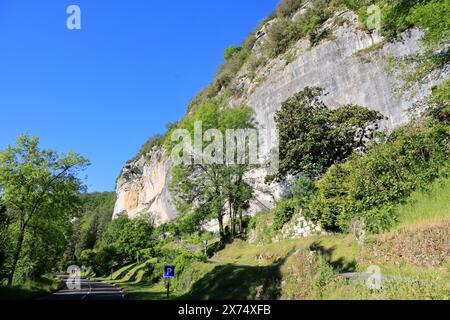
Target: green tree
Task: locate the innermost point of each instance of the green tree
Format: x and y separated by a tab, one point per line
204	189
37	184
92	220
231	51
312	137
123	242
368	186
4	239
137	234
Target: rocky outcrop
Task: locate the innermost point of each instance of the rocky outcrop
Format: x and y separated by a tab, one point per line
352	69
143	187
340	66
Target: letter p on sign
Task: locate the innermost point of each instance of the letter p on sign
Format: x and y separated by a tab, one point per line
169	271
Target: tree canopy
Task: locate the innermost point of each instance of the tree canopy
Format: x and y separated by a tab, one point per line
312	137
40	189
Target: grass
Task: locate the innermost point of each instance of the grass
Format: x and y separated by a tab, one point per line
144	291
122	272
31	289
275	270
342	249
133	273
225	282
426	206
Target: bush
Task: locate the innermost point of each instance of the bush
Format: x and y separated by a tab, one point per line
440	103
366	187
285	32
283	213
313	137
302	188
156	140
281	35
230	52
306	275
287	8
183	269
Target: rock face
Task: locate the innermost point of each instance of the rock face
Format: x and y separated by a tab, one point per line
340	67
347	72
143	187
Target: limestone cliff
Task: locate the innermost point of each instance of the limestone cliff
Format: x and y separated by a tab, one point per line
349	66
143	187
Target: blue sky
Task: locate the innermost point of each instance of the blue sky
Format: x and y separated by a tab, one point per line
104	89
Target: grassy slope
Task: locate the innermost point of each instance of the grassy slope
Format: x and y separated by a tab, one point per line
31	289
416	250
423	207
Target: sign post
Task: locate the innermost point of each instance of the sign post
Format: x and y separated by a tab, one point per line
169	272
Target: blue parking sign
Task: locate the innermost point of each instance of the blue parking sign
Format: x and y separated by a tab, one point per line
169	271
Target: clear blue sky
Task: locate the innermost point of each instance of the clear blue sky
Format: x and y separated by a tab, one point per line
104	89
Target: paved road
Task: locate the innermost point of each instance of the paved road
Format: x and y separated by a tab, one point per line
90	290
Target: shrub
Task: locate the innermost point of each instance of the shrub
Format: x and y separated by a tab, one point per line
368	186
230	52
313	137
306	275
281	35
287	8
302	188
440	103
316	36
156	140
283	213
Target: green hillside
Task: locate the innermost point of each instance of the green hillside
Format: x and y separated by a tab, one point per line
416	250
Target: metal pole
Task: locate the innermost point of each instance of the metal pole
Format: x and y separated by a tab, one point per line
168	287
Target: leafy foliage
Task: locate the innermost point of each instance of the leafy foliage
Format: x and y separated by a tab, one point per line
124	241
283	213
434	17
202	190
93	219
440	103
40	190
313	137
285	32
368	186
156	140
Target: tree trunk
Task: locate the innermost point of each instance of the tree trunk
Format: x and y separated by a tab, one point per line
232	222
241	223
16	256
222	234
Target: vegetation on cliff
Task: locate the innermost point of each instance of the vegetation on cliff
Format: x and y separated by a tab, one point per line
204	189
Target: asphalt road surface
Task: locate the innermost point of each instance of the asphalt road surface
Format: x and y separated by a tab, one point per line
90	290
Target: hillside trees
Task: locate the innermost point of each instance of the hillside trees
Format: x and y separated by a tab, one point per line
40	189
93	218
122	243
368	186
313	137
354	176
204	189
